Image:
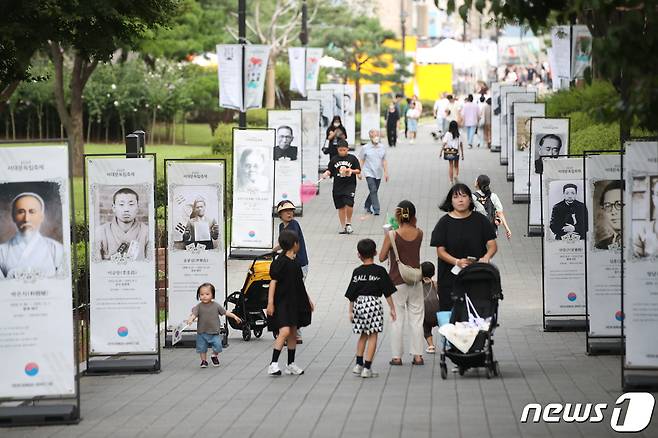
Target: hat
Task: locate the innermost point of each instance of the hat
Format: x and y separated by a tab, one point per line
285	205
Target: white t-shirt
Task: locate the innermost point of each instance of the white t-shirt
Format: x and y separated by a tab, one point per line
440	107
449	141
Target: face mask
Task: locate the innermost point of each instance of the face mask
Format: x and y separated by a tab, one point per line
336	124
375	139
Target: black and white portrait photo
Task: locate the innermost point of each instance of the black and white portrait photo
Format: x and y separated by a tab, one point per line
370	103
284	149
568	211
251	171
607	196
123	233
196	211
31	231
644	214
547	145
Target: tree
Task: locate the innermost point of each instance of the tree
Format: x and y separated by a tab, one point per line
625	44
90	32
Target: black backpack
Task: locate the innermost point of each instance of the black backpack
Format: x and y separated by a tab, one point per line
488	207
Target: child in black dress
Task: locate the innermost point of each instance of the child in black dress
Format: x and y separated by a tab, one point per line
369	282
288	305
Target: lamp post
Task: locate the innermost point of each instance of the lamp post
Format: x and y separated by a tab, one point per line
403	33
242	40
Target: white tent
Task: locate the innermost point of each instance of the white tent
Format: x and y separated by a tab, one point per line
462	56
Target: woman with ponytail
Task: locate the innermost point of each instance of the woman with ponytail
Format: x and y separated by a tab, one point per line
490	203
409	298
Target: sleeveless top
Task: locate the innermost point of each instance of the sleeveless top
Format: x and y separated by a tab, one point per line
409	251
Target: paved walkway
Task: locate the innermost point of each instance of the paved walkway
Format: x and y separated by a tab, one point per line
240	400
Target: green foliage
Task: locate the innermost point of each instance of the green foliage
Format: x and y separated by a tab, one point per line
589	98
222	142
599	136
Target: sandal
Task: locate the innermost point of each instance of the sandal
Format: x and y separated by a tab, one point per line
430	350
420	361
395	361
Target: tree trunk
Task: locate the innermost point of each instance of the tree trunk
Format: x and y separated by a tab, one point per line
7	90
270	82
89	127
153	125
13	122
40	120
626	119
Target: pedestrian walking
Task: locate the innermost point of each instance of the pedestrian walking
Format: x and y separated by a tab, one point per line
461	238
487	123
206	313
402	248
450	150
488	203
343	168
392	124
335	132
404	107
431	302
413	114
439	112
470	116
453	110
372	159
288	305
368	284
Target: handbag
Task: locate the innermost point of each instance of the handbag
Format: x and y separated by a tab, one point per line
474	319
409	275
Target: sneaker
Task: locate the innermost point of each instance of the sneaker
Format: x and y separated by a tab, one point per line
376	213
343	231
204	364
367	211
357	369
349	229
368	373
294	369
300	341
274	369
214	360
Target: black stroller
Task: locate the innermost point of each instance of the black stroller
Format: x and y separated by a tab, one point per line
481	282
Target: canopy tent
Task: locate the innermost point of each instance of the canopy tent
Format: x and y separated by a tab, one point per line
461	55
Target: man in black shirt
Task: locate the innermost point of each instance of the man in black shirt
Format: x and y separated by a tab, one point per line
283	150
343	168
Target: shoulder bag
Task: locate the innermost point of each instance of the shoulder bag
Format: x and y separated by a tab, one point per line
409	275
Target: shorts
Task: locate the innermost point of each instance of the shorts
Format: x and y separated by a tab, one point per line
368	315
343	200
450	157
205	340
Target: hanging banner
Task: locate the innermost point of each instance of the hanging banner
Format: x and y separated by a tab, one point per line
495	117
313	56
502	141
565	227
561	49
310	138
581	50
523	114
549	137
287	154
512	98
195	225
36	320
326	98
603	198
232	83
370	117
122	258
641	254
349	112
297	61
253	188
337	89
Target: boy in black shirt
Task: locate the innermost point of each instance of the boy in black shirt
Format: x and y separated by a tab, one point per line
369	282
343	168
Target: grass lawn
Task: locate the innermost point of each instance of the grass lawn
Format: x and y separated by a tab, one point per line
192	134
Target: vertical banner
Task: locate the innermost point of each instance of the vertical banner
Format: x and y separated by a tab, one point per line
512	98
253	188
495	117
603	197
288	156
297	61
122	258
36	320
195	225
640	306
561	49
313	56
326	98
370	117
337	89
256	58
523	114
549	137
581	50
502	141
310	138
565	227
240	91
349	112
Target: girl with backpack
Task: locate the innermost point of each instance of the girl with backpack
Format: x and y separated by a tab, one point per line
491	205
452	145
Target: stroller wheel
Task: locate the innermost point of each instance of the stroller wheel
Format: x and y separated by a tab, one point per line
462	370
496	369
246	334
225	336
444	371
258	333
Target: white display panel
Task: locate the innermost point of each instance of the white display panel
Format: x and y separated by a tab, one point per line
288	154
523	114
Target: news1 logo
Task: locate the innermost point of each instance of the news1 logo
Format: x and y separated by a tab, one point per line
632	412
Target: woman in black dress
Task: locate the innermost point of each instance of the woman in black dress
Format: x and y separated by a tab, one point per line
335	132
461	238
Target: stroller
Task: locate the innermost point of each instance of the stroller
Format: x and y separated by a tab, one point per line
249	302
481	282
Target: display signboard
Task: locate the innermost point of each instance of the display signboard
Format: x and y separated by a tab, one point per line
523	114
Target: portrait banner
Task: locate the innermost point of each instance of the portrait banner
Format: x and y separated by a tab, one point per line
349	112
326	98
288	154
523	114
370	117
337	89
122	259
229	72
310	138
495	117
36	317
512	98
561	49
548	137
253	188
502	141
256	58
565	226
581	50
196	251
603	195
640	290
297	61
313	57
